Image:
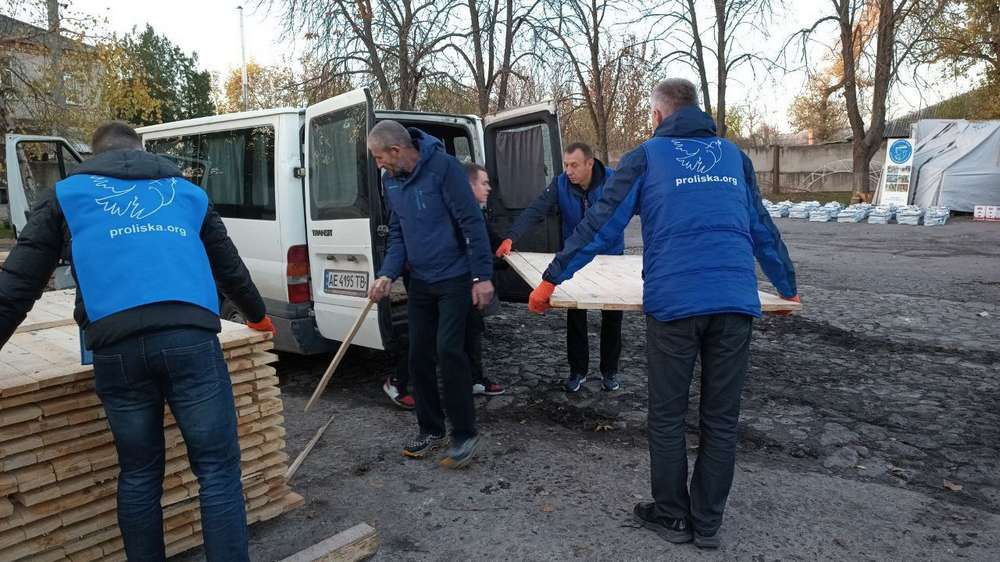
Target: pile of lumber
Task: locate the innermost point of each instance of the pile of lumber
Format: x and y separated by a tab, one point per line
58	468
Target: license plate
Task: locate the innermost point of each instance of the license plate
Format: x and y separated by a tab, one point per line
342	282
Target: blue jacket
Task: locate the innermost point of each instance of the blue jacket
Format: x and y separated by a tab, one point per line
435	224
572	202
703	223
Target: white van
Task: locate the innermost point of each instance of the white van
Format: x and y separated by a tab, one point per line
302	200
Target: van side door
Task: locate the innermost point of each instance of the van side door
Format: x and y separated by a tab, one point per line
523	155
34	165
341	198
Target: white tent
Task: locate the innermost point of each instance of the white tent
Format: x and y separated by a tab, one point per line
956	163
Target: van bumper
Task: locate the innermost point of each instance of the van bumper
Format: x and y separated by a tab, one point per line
296	329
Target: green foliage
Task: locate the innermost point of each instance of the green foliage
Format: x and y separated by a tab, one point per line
172	77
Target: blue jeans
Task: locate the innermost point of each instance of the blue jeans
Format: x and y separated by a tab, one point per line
186	369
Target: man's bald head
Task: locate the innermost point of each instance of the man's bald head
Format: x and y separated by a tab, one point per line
392	147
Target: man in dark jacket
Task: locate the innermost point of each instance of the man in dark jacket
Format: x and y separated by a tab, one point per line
703	223
436	228
479	181
148	253
572	193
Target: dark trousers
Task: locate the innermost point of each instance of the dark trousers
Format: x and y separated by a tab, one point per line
723	343
186	369
474	329
577	348
437	316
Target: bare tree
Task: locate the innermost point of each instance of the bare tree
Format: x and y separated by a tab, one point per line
488	49
732	19
393	43
578	33
898	27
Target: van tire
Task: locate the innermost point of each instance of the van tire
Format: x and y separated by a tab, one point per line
231	312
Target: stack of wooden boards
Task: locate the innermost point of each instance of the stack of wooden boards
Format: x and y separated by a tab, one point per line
58	468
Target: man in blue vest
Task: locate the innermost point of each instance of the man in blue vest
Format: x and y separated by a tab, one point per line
438	230
572	193
149	255
703	224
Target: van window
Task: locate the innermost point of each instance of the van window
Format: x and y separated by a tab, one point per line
235	167
338	164
524	163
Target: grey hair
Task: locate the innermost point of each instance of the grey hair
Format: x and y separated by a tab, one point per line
672	94
387	134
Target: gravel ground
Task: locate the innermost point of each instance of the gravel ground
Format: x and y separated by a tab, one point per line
870	426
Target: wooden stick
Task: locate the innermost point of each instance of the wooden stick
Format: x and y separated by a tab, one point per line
309	447
340	354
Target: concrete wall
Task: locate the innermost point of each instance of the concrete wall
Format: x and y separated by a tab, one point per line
798	164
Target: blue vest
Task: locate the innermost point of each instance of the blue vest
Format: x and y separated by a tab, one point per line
698	254
572	208
137	242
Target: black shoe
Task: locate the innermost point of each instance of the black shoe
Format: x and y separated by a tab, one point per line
574	383
424	444
610	382
676	531
460	454
709	542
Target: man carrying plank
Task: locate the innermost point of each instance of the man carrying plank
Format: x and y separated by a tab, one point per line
436	228
572	193
149	254
703	224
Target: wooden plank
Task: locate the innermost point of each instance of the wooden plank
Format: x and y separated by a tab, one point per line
360	542
608	283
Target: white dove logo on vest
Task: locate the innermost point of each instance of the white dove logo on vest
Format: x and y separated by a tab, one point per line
699	156
135	202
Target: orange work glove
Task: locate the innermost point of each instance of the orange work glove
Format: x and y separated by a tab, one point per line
264	325
788	312
538	302
505	248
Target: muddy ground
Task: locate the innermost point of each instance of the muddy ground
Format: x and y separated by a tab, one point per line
870	427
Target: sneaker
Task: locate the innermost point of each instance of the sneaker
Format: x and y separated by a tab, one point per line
460	454
574	382
487	388
676	531
424	444
404	401
709	542
610	382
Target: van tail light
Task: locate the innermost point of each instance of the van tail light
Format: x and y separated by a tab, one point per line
298	275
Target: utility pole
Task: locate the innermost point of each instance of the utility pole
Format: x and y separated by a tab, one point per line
243	58
54	40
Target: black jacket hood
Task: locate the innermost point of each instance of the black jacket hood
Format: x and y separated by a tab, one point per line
129	165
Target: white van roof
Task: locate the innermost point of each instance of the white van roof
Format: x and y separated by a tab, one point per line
212	119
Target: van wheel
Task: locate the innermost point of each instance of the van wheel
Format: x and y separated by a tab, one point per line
231	312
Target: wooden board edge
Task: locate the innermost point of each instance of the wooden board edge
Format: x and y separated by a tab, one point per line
360	542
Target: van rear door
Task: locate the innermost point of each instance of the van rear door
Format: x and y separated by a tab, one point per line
343	208
34	165
523	154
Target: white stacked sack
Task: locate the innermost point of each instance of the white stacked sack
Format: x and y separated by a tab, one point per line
854	213
881	214
936	216
777	210
826	213
802	210
910	214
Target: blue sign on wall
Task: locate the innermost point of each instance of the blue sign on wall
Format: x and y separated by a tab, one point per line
900	151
